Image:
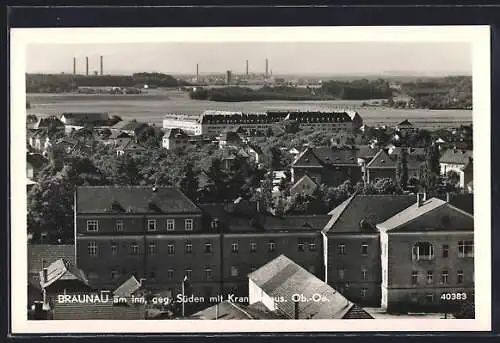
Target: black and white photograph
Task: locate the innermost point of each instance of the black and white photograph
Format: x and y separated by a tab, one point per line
183	177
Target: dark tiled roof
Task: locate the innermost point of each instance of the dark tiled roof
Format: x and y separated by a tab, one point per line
283	278
411	151
328	156
361	213
176	134
454	156
366	151
48	253
128	125
383	160
48	121
96	311
82	118
405	123
137	199
127	288
319	117
434	214
36	160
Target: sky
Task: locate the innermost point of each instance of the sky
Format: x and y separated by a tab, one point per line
360	58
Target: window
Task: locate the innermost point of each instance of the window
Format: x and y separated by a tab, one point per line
134	248
341	274
188	225
208	247
234	271
300	247
92	248
188	247
119	225
363	292
171	249
114	274
214	224
208	273
234	247
460	276
445	250
114	248
312	246
364	249
341	249
92	225
189	272
151	225
272	246
423	251
414	277
253	247
152	248
170	274
429	298
444	277
170	225
364	273
430	276
466	249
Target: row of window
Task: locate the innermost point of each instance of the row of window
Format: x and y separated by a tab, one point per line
364	273
188	248
430	277
341	249
425	250
93	225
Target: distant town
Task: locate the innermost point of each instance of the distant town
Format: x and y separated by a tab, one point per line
272	214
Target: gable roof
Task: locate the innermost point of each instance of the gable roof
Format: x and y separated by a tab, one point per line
361	213
454	156
303	180
41	255
48	121
137	199
82	118
383	160
334	156
127	288
62	270
432	215
405	123
283	278
128	125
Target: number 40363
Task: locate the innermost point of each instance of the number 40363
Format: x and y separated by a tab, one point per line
454	296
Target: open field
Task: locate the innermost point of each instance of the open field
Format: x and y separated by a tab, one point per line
150	107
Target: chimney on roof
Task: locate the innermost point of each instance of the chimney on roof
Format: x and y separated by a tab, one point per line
45	274
448	196
421	197
296	310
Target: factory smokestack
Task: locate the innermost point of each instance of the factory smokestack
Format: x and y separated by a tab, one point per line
197	75
247	67
86	66
102	66
74	66
267	68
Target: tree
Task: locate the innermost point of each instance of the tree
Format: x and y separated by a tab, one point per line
386	186
216	187
402	169
189	183
453	177
291	126
431	169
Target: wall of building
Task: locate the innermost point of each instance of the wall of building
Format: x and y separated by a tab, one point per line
400	266
353	262
256	294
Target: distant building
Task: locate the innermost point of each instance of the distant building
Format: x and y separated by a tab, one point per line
51	122
384	164
405	126
175	138
286	288
427	251
228	77
130	127
189	124
327	165
78	120
459	161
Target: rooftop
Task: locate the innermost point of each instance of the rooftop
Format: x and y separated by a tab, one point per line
41	255
283	278
133	199
454	156
127	288
62	270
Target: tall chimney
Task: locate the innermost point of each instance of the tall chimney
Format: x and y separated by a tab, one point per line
102	66
45	275
197	72
247	68
74	66
420	199
267	68
86	66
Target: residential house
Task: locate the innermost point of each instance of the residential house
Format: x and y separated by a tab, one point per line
384	165
286	288
129	146
230	138
351	248
427	252
405	126
152	233
78	120
117	138
327	165
130	127
459	161
34	162
304	186
175	139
